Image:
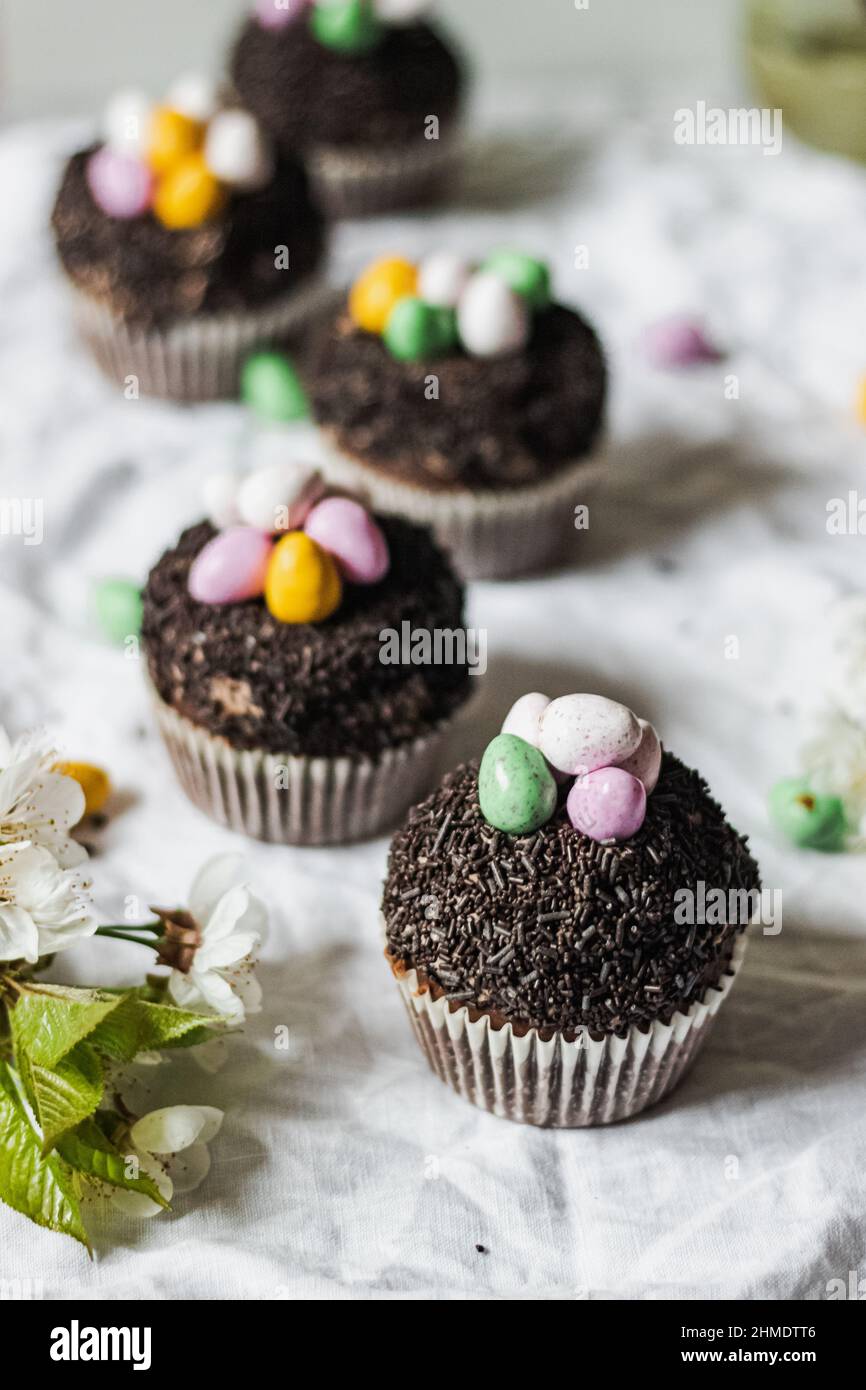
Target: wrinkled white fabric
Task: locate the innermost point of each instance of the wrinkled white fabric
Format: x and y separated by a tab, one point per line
344	1168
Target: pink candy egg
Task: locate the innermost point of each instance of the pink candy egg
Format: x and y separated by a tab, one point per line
347	530
678	342
120	185
608	804
646	761
231	567
276	14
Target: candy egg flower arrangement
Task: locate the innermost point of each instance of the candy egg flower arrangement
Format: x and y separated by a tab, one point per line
446	304
613	756
281	537
179	160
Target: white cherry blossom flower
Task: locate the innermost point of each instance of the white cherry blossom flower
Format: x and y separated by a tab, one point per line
169	1146
43	907
38	804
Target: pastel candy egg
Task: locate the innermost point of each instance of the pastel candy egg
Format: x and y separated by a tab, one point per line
171	137
196	95
524	717
809	819
678	342
347	531
526	276
442	278
492	320
516	791
272	388
582	732
401	11
237	151
303	582
277	14
93	781
414	330
347	26
231	567
607	804
377	290
188	195
126	123
279	497
220	494
117	606
646	761
120	185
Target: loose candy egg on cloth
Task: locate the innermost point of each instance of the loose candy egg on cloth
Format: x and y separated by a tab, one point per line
378	289
118	606
516	790
303	583
580	733
607	804
809	819
272	388
237	151
93	781
232	566
120	184
492	320
347	531
279	497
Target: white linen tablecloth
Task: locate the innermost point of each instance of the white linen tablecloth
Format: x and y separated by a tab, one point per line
344	1168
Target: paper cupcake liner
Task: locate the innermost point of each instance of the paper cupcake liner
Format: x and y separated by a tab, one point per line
366	182
199	359
560	1084
297	800
491	534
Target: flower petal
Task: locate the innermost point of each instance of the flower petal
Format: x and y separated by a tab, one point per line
175	1127
19	939
212	882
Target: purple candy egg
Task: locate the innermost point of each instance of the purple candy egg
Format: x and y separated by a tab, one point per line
678	342
348	532
277	14
608	804
231	567
119	184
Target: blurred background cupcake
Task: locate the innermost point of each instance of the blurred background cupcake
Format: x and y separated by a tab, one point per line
281	704
464	397
187	240
545	919
366	88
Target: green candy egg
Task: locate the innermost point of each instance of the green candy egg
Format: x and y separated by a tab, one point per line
350	27
516	790
414	330
271	387
526	276
445	321
809	819
117	606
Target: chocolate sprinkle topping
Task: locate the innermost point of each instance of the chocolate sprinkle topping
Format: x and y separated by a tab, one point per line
589	940
497	423
319	689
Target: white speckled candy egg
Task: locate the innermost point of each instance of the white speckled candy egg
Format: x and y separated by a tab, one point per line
580	733
126	122
237	151
442	278
196	95
524	717
220	493
646	761
491	319
280	497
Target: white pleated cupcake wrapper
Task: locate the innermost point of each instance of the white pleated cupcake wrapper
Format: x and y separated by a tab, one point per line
298	800
560	1084
489	535
196	360
364	182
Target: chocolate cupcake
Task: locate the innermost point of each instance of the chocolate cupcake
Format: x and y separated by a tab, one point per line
368	92
565	920
187	242
286	709
465	399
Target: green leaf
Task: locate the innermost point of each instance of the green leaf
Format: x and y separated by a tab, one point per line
38	1185
65	1095
92	1153
140	1026
48	1020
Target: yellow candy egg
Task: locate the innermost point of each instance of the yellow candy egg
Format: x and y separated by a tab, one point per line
377	290
171	137
188	195
302	584
93	781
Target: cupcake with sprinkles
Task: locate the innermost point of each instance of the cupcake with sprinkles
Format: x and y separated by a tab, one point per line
286	710
368	89
187	240
565	918
464	397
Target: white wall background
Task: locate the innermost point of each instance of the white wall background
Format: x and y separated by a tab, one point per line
67	55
